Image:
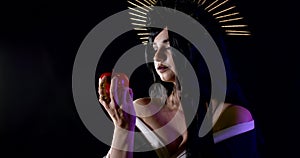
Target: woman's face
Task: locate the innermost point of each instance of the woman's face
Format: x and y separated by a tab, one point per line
163	59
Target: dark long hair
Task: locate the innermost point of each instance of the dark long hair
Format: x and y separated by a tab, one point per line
196	146
199	146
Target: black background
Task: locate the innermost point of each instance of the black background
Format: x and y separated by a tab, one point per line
38	45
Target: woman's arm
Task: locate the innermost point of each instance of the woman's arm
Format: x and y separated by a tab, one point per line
232	115
122	144
119	105
234	134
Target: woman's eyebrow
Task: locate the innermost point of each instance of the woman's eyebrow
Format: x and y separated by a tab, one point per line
166	40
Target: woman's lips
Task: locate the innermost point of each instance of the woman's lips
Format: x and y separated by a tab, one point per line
162	68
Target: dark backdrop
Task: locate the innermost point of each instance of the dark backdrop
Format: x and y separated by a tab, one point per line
38	45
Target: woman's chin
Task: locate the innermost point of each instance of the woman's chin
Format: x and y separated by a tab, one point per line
167	78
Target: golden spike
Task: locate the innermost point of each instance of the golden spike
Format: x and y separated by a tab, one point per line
148	2
144	38
139	28
211	4
198	2
239	34
145	42
137	10
144	4
153	2
138	20
236	31
223	10
138	6
223	16
144	34
138	15
137	24
234	26
217	6
233	19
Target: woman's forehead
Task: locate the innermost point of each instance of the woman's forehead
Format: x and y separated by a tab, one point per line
162	36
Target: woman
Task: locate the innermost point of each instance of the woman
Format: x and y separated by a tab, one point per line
232	135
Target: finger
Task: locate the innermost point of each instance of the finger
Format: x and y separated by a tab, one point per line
114	91
101	86
122	94
127	96
130	96
104	103
101	91
120	112
102	80
127	101
103	95
104	83
117	112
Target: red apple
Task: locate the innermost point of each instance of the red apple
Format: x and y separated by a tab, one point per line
122	80
106	84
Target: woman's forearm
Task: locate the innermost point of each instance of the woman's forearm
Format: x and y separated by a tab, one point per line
122	144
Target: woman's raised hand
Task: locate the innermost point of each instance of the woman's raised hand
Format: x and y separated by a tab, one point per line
117	99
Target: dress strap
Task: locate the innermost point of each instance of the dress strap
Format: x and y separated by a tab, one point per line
153	139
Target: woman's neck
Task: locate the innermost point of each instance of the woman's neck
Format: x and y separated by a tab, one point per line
173	100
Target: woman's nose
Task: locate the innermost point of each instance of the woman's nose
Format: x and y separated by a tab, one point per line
160	55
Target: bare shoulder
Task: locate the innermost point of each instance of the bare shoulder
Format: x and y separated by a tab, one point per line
232	115
142	101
